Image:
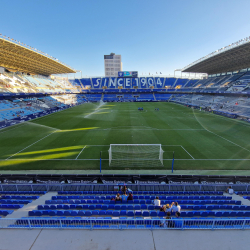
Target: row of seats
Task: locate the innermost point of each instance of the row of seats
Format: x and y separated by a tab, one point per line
6	212
143	192
139	207
239	192
143	213
11	206
7	201
18	197
143	197
22	192
142	202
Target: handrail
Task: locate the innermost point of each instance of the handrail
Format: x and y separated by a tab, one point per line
125	223
135	187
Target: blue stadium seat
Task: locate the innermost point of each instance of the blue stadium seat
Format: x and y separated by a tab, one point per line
116	213
123	212
52	213
130	213
95	212
153	213
138	212
102	212
88	213
81	213
145	213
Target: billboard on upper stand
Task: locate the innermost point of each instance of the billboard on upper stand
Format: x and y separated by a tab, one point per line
128	74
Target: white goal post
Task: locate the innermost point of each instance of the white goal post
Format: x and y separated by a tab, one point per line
135	155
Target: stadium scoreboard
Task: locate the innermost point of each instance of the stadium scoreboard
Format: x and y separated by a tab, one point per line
132	74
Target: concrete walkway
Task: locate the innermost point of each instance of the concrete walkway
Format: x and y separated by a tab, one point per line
9	109
23	212
36	239
239	198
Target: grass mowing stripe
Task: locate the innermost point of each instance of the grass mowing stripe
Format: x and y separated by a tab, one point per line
29	146
12	128
221	136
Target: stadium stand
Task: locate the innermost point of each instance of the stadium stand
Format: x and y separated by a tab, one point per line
63	93
98	210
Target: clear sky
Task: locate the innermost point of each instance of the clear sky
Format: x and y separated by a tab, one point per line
151	35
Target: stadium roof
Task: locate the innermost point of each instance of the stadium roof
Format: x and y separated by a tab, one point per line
233	57
17	56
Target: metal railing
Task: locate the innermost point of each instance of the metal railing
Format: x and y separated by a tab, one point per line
50	187
126	223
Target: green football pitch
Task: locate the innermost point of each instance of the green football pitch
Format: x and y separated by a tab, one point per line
72	139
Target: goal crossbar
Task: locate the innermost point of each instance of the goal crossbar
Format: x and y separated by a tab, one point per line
135	155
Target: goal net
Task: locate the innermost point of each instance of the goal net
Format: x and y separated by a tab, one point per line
135	155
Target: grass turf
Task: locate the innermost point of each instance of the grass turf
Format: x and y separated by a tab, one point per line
72	139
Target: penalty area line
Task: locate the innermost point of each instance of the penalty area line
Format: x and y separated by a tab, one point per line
29	146
187	152
80	152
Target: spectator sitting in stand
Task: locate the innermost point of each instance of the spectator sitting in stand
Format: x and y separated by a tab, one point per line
175	207
230	190
167	222
156	201
118	197
177	214
163	208
124	197
168	208
130	197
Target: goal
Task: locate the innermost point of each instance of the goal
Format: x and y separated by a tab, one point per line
135	155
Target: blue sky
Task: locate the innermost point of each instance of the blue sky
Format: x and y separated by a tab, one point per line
151	36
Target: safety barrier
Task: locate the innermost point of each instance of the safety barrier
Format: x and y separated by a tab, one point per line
124	223
111	187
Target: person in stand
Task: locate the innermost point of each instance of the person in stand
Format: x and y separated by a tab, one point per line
177	214
167	222
124	189
118	197
156	201
175	207
230	190
168	209
163	208
124	198
130	197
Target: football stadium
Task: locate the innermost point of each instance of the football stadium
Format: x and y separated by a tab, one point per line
124	154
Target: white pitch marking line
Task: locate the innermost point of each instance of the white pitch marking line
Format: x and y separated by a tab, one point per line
80	152
187	152
29	145
221	136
